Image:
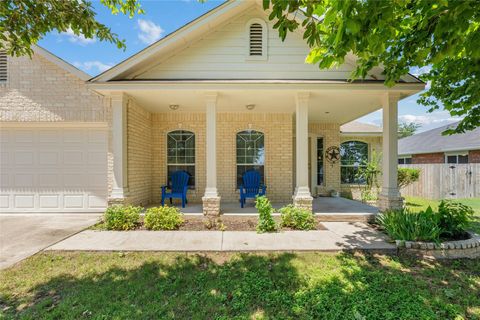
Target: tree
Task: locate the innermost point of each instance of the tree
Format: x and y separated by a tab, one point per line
407	176
24	22
407	129
398	35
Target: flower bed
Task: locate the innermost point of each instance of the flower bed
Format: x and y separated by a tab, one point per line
469	248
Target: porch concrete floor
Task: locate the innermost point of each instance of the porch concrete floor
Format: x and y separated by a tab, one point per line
329	209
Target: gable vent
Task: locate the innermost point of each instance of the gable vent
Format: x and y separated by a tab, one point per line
3	66
256	39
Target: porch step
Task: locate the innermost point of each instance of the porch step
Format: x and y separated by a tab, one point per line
346	217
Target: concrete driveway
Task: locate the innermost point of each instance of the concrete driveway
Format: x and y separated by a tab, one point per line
22	235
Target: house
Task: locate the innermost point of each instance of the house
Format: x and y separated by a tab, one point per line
218	97
433	147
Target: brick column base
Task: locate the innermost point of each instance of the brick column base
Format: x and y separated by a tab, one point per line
305	203
388	203
211	206
117	201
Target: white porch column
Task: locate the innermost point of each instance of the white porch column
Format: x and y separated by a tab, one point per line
389	197
302	197
119	147
211	199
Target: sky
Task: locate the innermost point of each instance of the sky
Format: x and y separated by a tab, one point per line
164	17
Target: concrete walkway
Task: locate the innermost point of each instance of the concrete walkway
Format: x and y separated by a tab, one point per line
338	236
22	235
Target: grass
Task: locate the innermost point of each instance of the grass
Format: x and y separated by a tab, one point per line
418	204
150	285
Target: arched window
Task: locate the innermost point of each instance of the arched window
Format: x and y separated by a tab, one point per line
250	153
257	39
354	155
181	154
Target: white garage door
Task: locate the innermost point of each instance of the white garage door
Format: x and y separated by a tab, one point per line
53	169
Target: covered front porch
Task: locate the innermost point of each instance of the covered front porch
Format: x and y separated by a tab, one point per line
285	115
325	208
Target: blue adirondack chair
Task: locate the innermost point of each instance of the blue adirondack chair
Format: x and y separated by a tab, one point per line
252	187
178	189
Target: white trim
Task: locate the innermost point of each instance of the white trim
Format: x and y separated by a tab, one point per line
61	63
264	26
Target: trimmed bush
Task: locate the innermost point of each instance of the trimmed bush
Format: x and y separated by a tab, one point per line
454	218
265	219
163	218
296	218
120	217
411	226
407	176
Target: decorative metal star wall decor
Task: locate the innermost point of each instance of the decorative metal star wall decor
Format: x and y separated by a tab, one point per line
332	154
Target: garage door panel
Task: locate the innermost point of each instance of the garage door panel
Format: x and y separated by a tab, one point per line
49	201
49	158
24	158
24	201
53	169
4	201
24	180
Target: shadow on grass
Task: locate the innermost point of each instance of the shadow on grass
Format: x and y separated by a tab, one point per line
273	286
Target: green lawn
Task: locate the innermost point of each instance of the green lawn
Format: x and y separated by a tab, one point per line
417	204
234	286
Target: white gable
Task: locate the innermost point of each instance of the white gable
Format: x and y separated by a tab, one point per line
223	54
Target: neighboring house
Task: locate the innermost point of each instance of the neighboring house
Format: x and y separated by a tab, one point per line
433	147
220	96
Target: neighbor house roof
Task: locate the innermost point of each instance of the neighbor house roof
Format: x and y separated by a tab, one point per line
360	128
433	141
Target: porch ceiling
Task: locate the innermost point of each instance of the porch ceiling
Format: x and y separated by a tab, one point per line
325	106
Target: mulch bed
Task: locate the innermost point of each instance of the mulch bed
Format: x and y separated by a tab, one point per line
222	223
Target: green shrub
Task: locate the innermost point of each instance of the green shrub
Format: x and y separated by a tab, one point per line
297	218
454	218
163	218
409	226
265	219
407	176
119	217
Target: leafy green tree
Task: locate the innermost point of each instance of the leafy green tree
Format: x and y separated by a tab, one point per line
398	35
24	22
407	129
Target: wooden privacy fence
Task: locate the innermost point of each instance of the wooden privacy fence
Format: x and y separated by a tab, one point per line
445	181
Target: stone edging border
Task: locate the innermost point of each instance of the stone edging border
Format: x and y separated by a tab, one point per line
469	248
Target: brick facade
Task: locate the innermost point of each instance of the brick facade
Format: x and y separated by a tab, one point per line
474	156
438	157
139	154
38	90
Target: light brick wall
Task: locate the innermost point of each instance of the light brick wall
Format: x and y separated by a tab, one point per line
374	145
330	132
139	154
277	128
162	123
38	90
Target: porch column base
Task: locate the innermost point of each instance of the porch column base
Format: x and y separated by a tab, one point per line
389	202
118	196
303	199
211	206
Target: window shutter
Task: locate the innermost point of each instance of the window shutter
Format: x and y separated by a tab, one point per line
256	39
3	66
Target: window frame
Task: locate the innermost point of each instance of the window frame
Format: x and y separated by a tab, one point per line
192	185
317	175
404	159
237	164
264	55
456	155
4	60
367	148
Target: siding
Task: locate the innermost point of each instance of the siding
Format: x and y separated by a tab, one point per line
221	54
